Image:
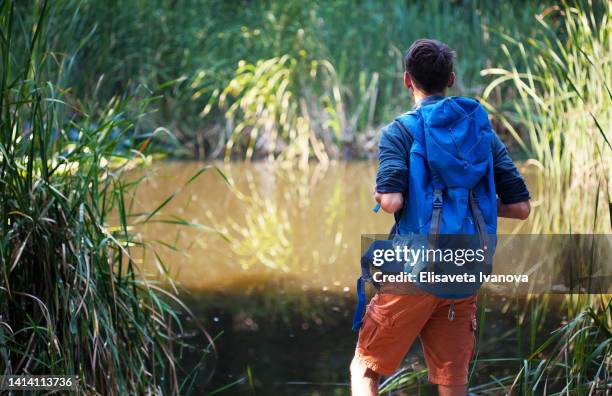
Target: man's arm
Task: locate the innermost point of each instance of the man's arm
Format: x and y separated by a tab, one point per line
513	196
392	175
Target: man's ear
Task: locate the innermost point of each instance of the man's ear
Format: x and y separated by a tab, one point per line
451	80
407	80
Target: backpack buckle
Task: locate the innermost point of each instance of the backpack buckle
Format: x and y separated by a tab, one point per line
437	199
474	197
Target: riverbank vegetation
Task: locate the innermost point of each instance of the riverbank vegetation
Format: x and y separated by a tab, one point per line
272	79
72	298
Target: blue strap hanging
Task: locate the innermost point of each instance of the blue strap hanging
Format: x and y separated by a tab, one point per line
366	276
361	303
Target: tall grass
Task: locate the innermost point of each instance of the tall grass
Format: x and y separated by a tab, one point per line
293	110
564	105
572	359
72	299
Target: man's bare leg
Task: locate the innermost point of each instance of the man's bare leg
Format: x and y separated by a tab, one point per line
445	390
364	381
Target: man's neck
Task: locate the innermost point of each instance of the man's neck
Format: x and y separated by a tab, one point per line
420	95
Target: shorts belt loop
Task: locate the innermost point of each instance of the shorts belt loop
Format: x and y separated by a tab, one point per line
451	311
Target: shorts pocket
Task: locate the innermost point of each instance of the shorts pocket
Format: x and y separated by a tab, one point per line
379	315
368	333
376	325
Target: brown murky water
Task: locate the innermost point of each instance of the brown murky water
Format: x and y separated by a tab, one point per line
271	267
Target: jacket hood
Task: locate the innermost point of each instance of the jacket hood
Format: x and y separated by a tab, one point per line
451	110
457	140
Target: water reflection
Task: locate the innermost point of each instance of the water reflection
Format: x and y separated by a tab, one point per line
283	225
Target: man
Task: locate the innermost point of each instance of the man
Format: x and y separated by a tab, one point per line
393	321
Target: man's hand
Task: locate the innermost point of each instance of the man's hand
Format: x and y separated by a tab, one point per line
389	202
519	210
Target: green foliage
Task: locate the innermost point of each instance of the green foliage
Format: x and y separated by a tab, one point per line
192	50
573	359
563	103
72	299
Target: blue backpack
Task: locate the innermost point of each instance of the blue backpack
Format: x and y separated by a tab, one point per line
451	188
451	169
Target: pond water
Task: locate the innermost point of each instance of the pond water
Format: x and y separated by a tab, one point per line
275	281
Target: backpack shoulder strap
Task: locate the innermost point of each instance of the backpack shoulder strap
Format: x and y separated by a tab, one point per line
411	124
407	123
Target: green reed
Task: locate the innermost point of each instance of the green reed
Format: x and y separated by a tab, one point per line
562	115
563	118
572	359
72	298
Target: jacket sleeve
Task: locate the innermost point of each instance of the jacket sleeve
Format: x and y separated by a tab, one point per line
509	183
393	157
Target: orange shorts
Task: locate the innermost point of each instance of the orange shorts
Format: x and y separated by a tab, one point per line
392	322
